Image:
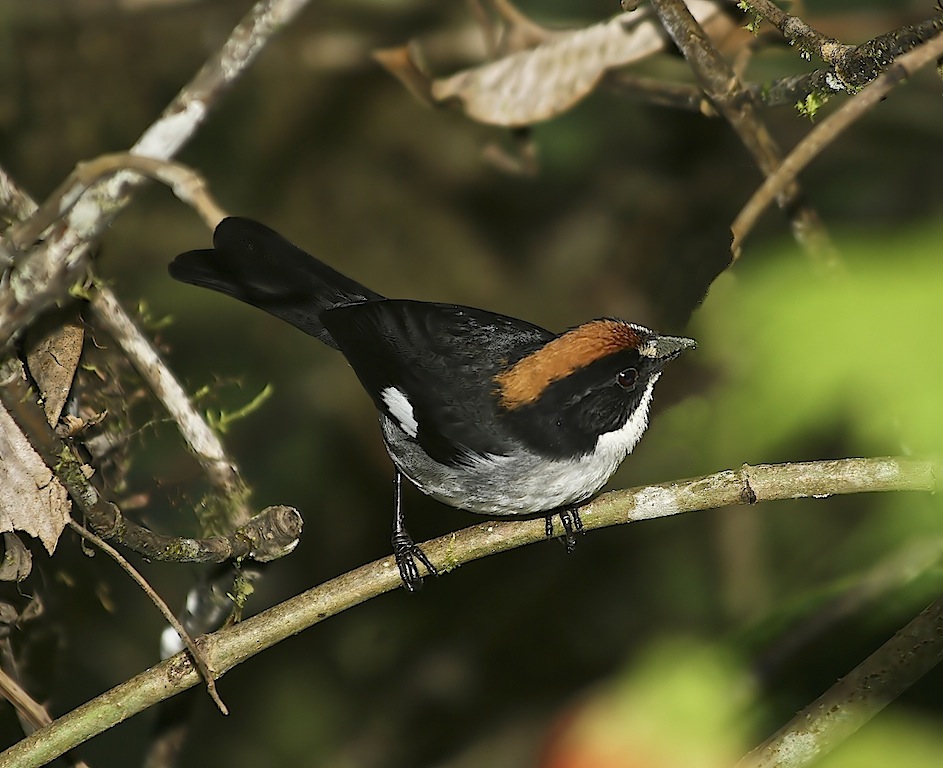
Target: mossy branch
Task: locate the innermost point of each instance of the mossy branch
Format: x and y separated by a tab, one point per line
270	534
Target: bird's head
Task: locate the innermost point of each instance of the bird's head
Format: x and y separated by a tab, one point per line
593	380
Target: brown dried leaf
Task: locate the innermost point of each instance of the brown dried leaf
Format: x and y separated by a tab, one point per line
53	361
31	498
17	560
543	82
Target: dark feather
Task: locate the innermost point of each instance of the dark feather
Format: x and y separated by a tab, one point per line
414	345
254	264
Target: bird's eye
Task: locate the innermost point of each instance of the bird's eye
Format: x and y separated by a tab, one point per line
627	378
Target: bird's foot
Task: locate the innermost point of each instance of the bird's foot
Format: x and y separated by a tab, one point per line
572	524
407	552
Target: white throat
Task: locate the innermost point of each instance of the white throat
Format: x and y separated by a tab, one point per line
620	442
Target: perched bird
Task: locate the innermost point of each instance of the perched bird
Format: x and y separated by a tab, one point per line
481	411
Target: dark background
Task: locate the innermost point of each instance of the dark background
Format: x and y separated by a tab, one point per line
629	216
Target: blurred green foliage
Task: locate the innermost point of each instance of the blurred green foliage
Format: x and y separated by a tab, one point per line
808	353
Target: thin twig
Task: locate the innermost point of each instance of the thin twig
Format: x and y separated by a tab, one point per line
826	132
47	273
661	92
202	664
735	103
188	185
28	708
271	534
233	645
202	440
32	711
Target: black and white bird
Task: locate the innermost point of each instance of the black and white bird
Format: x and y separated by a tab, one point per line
481	411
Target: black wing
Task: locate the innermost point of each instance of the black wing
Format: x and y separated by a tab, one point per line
442	357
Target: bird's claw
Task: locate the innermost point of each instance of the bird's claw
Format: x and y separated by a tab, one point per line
407	552
572	524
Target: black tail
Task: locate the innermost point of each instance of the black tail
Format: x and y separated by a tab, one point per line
255	264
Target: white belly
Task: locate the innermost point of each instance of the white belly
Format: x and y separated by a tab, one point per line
521	483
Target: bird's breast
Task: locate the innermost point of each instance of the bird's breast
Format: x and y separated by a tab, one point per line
519	483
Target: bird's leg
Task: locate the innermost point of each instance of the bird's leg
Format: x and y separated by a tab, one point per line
405	550
572	524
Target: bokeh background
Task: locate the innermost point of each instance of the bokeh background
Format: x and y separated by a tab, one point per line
709	629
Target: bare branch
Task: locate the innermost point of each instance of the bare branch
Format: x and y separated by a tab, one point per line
857	697
196	654
46	274
734	102
31	710
666	94
187	184
233	645
826	132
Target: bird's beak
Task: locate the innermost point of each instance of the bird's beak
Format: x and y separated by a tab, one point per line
665	348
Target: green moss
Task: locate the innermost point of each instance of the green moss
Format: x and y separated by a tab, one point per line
811	104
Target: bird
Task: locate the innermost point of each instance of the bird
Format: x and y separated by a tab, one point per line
481	411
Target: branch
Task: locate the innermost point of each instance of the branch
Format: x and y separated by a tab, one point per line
271	534
800	34
46	274
231	646
734	102
683	96
233	521
26	706
826	132
196	654
857	697
13	200
189	186
31	711
852	66
202	440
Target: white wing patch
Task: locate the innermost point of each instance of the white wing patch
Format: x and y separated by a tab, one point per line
401	410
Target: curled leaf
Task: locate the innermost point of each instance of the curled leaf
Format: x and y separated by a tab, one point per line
31	498
17	560
53	360
537	84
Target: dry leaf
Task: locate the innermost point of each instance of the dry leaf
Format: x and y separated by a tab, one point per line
540	83
53	361
17	560
31	498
